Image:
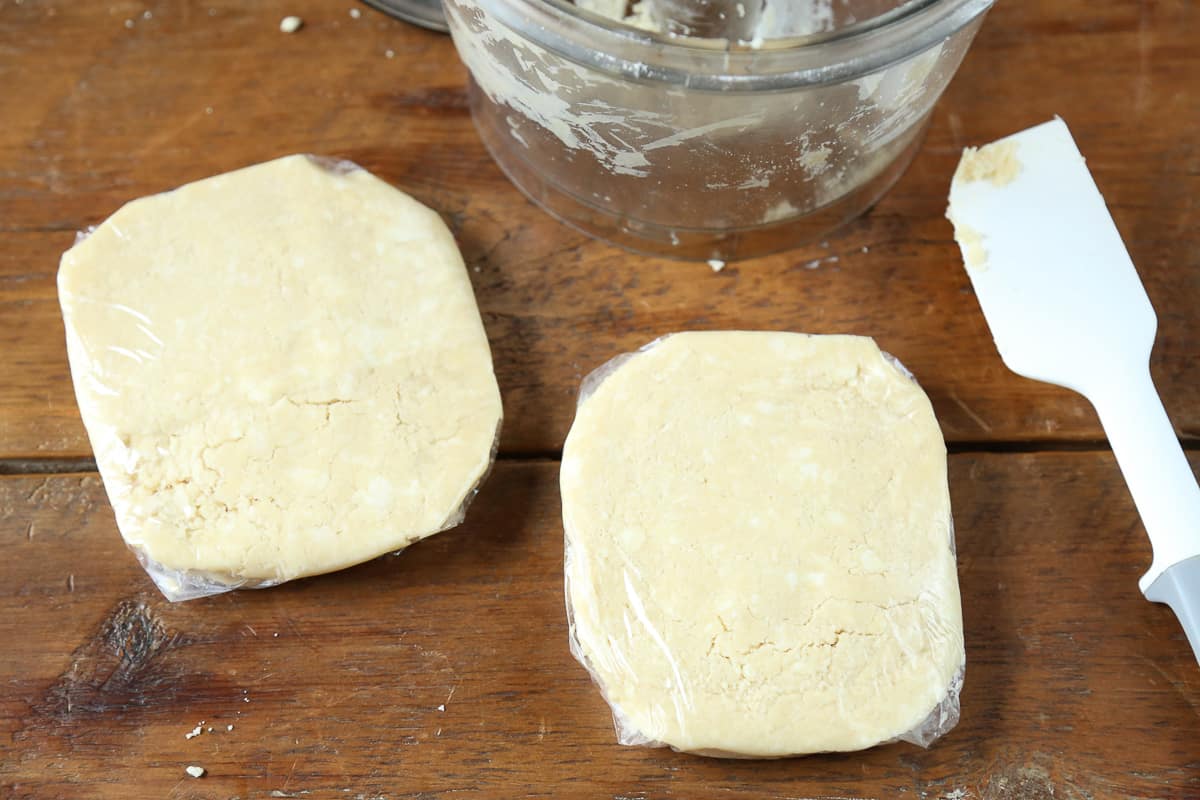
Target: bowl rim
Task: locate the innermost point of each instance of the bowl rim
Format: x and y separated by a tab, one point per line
719	65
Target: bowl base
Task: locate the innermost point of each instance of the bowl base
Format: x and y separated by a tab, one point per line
693	244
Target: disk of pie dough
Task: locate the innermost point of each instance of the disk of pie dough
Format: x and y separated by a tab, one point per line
759	547
282	371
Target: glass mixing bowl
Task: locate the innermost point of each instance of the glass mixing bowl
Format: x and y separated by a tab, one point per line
706	148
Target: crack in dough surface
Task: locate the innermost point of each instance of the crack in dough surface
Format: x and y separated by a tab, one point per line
759	545
282	371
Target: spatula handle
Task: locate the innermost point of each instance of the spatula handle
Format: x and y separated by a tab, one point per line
1152	461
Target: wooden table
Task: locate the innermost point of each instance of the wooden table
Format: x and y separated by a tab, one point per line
443	672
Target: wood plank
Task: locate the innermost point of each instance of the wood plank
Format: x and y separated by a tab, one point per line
96	113
444	672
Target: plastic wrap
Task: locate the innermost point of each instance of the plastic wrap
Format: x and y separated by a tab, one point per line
178	585
650	608
308	389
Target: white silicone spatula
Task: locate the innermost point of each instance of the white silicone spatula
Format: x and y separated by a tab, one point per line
1065	306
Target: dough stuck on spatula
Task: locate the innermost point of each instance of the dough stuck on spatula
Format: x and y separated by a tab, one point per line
759	547
282	371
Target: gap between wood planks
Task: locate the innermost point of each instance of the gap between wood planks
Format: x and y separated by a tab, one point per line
67	466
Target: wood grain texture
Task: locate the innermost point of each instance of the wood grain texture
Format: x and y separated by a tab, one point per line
443	672
96	113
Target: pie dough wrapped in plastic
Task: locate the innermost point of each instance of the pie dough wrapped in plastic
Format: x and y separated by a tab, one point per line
759	547
282	371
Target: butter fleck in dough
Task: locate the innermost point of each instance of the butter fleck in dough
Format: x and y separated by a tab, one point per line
759	546
282	371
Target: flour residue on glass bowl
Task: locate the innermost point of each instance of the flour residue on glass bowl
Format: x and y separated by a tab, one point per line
746	22
707	148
